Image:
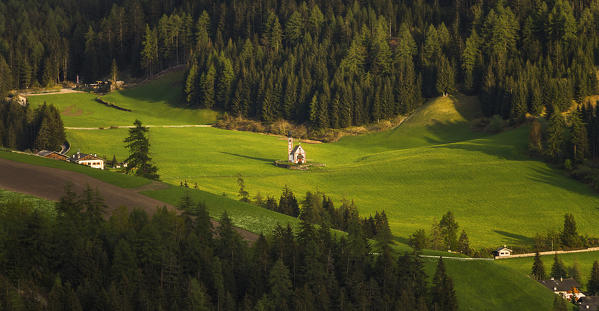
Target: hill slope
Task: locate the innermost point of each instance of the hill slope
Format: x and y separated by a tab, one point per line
156	102
416	172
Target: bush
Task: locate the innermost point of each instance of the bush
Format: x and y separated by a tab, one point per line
496	124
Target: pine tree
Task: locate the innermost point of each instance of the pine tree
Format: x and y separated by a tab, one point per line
449	230
280	285
464	244
149	54
198	298
557	269
569	234
445	77
555	136
593	285
579	138
443	294
207	87
114	71
139	160
244	196
538	270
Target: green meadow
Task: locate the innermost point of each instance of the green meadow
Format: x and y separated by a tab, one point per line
431	164
156	102
484	285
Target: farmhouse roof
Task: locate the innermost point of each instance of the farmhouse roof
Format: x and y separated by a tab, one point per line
560	285
504	248
84	156
51	154
44	153
590	303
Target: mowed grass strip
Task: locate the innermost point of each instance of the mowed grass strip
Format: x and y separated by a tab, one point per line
157	102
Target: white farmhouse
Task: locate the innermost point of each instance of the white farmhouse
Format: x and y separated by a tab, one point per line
88	160
502	252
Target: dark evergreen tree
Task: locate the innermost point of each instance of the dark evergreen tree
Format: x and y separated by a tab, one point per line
538	270
139	161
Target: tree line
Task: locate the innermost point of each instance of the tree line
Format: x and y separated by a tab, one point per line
25	129
570	140
318	209
76	257
323	63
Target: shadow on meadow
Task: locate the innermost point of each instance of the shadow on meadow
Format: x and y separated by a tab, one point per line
269	161
558	178
451	132
515	239
167	88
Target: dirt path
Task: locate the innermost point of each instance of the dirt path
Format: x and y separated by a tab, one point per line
131	126
49	183
62	91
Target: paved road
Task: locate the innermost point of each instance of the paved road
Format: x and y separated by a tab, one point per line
132	126
49	183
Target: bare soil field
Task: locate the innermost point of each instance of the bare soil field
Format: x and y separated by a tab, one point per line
49	183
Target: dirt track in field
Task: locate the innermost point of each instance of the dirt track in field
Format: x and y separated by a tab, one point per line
49	183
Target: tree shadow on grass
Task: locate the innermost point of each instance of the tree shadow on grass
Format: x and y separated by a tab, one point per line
557	178
269	161
515	239
451	132
168	89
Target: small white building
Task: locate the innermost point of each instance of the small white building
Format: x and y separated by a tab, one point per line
295	154
88	160
502	252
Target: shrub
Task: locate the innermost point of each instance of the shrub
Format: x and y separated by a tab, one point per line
496	124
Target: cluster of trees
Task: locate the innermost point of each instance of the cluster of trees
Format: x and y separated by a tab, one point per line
326	63
571	140
25	129
558	269
73	258
318	209
565	239
443	236
335	64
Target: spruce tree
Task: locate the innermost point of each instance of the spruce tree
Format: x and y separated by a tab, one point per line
139	161
538	270
443	294
280	285
593	285
557	269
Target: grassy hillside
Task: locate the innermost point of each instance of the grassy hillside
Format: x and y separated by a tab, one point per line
479	285
157	102
8	196
583	260
483	285
415	173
